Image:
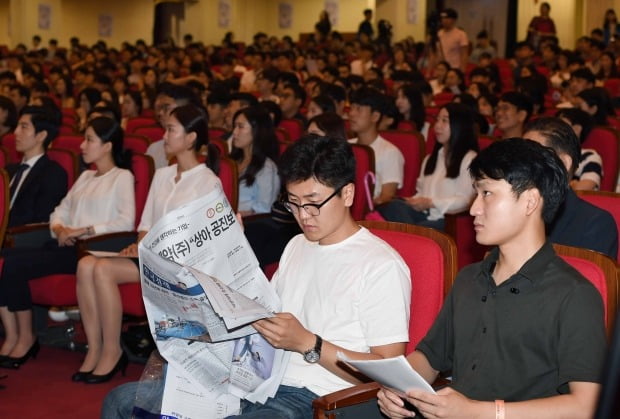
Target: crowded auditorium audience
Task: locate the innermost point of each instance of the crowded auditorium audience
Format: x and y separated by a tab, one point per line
447	99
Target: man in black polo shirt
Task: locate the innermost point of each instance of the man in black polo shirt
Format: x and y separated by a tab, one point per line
522	332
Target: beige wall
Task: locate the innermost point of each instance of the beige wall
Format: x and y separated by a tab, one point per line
5	38
133	19
251	16
395	11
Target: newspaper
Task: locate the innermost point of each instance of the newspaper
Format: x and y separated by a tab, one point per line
202	288
395	373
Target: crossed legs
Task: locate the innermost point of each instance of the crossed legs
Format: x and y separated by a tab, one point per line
101	309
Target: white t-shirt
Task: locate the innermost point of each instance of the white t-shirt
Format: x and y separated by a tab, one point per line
389	163
106	202
354	294
157	152
359	68
166	194
451	43
448	195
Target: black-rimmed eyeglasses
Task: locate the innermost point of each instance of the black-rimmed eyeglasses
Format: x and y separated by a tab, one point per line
311	209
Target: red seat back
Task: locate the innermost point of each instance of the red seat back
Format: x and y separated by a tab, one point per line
69	112
609	201
613	87
411	144
230	181
461	228
8	142
152	132
67	129
431	258
143	170
221	145
606	141
294	127
136	143
68	160
484	141
406	126
441	99
4	157
364	163
601	271
216	133
68	142
133	123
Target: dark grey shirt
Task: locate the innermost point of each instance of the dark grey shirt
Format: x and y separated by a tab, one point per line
524	339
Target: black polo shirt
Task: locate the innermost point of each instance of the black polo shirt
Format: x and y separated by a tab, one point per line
524	339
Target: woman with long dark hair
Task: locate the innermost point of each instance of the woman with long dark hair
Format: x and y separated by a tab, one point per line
101	201
444	184
411	106
98	278
255	149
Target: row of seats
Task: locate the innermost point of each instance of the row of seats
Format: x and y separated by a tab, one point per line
59	290
430	256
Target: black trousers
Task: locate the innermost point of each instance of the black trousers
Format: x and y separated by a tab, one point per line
268	238
22	265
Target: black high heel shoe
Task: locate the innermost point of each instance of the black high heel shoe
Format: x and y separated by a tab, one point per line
14	363
121	366
81	376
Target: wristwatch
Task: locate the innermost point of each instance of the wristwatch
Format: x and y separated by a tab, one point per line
313	355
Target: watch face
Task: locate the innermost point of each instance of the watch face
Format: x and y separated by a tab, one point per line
312	356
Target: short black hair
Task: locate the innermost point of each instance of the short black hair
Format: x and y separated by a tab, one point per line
270	74
367	96
335	92
525	165
585	74
45	118
324	102
479	71
559	136
288	78
580	117
21	89
298	92
523	44
328	160
218	96
520	101
247	99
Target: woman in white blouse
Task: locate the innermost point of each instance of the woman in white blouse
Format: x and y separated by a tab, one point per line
444	184
255	147
100	201
98	278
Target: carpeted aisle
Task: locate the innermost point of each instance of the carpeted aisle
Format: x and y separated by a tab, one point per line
42	388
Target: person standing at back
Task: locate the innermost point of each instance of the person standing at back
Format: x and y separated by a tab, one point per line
453	41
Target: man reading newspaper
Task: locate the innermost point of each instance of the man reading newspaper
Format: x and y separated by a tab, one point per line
341	289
